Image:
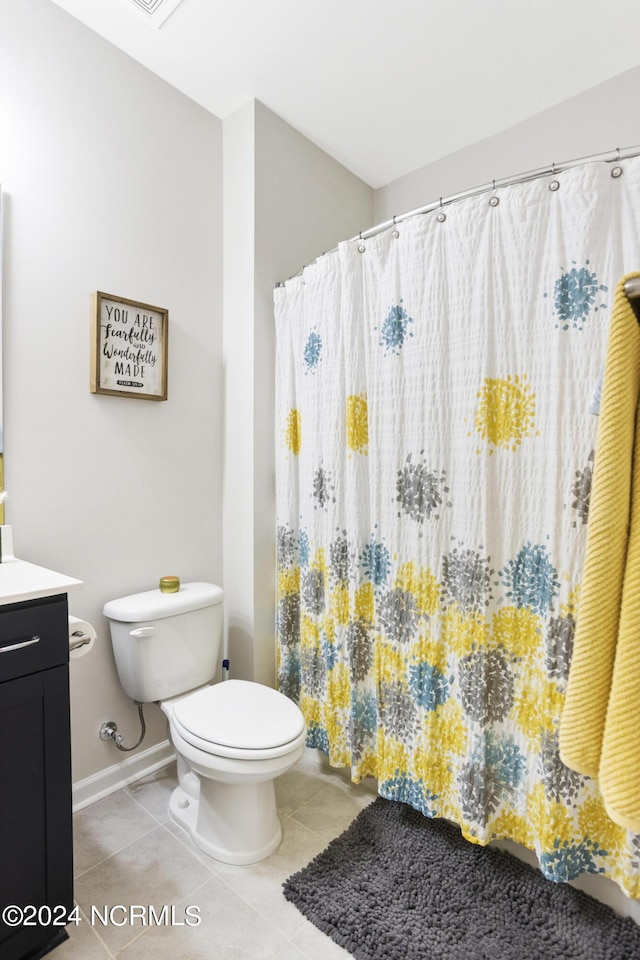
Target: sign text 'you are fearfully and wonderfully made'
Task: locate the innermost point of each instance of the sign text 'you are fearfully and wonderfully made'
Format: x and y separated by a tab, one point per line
131	348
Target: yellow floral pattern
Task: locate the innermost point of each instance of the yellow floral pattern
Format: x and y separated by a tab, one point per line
293	433
446	706
357	423
506	411
433	484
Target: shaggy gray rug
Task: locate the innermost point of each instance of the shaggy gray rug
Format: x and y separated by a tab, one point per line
398	885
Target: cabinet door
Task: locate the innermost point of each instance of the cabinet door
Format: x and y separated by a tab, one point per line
35	802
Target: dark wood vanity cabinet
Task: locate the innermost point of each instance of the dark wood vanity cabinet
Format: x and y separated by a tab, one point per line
36	853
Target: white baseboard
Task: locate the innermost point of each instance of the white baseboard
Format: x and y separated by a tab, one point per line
113	778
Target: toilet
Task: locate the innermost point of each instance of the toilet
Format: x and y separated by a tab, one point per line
232	739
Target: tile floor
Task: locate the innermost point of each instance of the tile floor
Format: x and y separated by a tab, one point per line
128	852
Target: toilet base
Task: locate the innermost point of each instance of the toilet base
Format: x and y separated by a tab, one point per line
232	823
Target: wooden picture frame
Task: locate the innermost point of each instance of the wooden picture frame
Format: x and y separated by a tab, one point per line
129	342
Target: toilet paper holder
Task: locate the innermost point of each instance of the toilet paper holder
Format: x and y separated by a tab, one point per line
78	639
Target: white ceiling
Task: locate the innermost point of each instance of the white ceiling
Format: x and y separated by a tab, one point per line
384	86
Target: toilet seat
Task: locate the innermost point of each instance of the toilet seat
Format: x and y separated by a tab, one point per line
239	719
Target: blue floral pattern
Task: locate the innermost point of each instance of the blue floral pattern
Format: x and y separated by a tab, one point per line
395	329
313	351
434	469
574	297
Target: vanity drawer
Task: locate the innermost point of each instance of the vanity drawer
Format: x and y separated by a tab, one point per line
33	636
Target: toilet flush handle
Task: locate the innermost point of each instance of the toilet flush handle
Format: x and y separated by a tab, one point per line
141	632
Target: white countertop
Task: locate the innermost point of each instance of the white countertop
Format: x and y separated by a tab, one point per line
20	581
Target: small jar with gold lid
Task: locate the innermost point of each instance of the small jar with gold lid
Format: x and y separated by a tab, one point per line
169	584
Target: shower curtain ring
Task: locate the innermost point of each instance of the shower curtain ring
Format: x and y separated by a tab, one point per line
617	170
441	216
361	246
396	232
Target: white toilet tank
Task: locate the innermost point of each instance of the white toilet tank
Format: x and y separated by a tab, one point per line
166	643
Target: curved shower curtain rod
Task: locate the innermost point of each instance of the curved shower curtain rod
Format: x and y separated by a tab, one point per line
613	156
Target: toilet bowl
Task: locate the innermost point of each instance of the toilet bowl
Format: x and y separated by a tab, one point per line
232	739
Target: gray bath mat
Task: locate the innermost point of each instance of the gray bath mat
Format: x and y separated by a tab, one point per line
398	885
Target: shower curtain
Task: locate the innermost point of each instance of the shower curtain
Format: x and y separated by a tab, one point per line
436	419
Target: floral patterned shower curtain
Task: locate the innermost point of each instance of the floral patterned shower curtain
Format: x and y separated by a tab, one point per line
435	442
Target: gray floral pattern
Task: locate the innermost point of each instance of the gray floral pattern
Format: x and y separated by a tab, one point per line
581	491
466	578
561	784
421	491
559	646
398	711
312	590
340	559
486	686
323	489
285	545
290	675
360	648
314	672
288	619
481	792
398	615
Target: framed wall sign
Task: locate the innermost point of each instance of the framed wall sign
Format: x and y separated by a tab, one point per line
128	348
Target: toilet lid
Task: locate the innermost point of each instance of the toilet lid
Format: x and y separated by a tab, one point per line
240	714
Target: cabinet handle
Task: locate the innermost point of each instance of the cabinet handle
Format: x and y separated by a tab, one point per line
18	646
